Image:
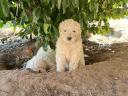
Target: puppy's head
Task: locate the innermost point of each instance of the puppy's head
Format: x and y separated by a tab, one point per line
70	31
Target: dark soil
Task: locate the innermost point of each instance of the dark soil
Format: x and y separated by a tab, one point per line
105	74
13	55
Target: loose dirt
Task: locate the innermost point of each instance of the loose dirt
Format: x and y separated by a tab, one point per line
106	74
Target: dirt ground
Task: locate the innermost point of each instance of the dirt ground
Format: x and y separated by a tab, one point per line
106	74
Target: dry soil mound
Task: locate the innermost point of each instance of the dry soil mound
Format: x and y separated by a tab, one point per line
105	78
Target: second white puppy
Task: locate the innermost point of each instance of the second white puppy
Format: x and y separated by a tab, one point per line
43	60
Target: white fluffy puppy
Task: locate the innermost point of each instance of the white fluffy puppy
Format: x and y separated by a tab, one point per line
43	60
69	50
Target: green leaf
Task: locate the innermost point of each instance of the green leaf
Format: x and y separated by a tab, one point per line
75	4
59	4
53	3
96	7
64	3
4	10
45	2
54	31
36	14
46	27
1	24
89	1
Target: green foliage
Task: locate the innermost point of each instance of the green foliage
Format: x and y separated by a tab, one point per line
1	24
4	10
42	17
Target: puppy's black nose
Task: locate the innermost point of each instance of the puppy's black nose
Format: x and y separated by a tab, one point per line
69	38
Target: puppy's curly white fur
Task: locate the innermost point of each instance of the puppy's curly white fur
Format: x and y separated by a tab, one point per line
43	60
69	50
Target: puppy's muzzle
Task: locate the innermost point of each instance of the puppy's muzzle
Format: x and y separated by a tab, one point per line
69	38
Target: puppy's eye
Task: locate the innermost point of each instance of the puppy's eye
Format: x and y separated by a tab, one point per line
64	30
74	31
